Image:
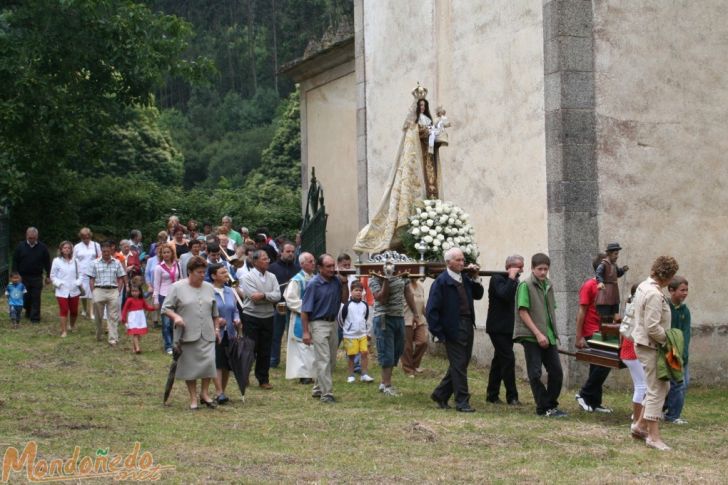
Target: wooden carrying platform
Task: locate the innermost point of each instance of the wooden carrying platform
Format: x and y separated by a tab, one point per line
603	348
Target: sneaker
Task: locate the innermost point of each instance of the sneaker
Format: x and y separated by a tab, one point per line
580	400
382	387
366	378
390	391
679	421
555	413
603	409
328	399
351	379
169	351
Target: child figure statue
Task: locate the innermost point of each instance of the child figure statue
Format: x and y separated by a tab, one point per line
437	130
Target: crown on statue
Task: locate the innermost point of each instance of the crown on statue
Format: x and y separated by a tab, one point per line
419	92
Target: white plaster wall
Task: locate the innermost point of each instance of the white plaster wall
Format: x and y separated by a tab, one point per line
331	148
661	98
484	62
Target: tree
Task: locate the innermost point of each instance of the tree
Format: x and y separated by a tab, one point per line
69	71
281	161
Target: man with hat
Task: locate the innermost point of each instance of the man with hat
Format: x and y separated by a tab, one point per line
607	274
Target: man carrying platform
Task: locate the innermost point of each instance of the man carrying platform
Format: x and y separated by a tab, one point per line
587	324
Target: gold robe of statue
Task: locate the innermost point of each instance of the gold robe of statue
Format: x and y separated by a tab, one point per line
404	187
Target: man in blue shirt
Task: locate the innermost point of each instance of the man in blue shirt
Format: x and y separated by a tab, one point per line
321	302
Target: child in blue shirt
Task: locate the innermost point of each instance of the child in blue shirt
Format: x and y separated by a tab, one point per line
15	292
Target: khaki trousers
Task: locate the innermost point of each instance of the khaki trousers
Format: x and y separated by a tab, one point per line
415	346
107	298
325	341
656	389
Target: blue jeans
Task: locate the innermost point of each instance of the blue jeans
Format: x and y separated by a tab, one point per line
280	325
167	328
389	332
16	311
676	397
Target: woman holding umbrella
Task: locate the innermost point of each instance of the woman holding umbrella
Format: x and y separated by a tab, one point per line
225	299
191	306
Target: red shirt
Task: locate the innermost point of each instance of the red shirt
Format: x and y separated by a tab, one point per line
588	296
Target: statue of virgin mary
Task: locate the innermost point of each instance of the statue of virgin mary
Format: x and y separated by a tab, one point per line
413	175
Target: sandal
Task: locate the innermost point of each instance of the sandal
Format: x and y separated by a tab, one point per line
637	433
658	445
209	404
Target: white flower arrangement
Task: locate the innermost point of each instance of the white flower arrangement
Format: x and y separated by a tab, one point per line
437	226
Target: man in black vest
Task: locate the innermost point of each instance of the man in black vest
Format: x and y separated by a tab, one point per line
30	259
499	326
451	318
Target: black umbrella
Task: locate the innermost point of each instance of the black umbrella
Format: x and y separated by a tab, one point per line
176	353
241	354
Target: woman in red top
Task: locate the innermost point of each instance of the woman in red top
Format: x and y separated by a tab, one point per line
132	315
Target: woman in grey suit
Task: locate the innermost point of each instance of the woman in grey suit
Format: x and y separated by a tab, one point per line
190	304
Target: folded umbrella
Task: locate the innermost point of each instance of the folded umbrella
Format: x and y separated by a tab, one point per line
241	354
176	353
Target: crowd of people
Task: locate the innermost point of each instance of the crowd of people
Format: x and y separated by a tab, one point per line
207	288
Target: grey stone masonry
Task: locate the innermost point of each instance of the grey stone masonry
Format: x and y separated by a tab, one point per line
361	118
571	172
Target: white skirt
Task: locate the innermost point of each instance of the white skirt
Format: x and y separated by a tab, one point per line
299	359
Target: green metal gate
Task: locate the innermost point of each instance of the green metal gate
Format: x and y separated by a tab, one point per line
313	229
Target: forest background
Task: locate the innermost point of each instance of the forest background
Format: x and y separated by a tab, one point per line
115	114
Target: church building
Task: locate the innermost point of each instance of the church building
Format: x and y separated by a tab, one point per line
575	123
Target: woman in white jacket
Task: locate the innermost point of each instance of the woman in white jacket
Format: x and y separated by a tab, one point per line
66	279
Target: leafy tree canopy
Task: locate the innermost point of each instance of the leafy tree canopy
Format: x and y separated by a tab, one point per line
69	70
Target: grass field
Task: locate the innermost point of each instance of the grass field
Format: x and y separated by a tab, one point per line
71	392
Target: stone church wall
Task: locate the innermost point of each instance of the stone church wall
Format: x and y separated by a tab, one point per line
661	98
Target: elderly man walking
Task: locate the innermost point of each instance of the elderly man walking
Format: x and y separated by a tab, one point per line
499	326
262	292
30	259
299	356
324	295
107	278
451	317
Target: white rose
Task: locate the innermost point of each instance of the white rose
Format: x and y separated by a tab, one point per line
433	232
450	221
443	219
446	209
465	217
427	239
440	237
430	222
424	229
415	232
450	240
438	210
446	245
417	246
415	222
436	243
418	211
